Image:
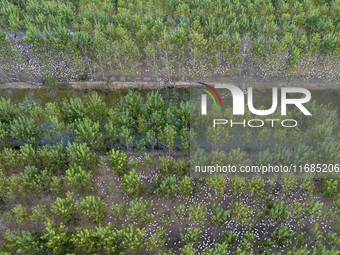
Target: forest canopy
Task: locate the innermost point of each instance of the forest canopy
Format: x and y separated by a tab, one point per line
169	39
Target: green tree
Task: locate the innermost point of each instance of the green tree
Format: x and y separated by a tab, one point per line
94	208
133	239
168	136
78	179
88	131
57	238
139	213
118	162
131	183
66	209
81	155
26	130
35	181
185	186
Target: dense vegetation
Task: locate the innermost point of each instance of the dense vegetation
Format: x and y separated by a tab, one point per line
79	177
315	139
174	40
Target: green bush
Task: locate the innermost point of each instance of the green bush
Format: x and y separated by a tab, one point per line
81	156
118	162
282	235
73	110
65	209
87	131
35	181
26	130
94	208
8	111
131	183
78	179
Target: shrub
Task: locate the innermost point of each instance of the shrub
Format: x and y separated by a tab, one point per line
185	186
54	158
57	238
81	155
78	179
94	208
139	212
198	213
26	130
35	181
97	110
85	241
87	131
193	235
73	110
4	136
118	162
219	215
168	187
24	242
8	111
131	183
65	209
282	235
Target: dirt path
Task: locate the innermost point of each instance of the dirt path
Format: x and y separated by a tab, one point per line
153	85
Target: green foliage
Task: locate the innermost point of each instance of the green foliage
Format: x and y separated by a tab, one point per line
26	130
57	238
174	39
236	157
185	186
8	111
76	213
73	110
132	239
118	162
255	185
168	187
198	213
131	183
82	156
65	209
240	213
282	235
276	208
96	210
23	243
237	184
87	131
139	213
228	237
78	179
219	215
84	241
168	136
216	185
35	181
157	240
331	187
19	214
192	236
52	82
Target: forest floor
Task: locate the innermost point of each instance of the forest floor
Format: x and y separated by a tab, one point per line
111	85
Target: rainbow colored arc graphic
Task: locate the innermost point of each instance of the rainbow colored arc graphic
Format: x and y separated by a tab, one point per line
213	90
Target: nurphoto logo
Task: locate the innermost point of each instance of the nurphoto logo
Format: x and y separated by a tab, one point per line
238	97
